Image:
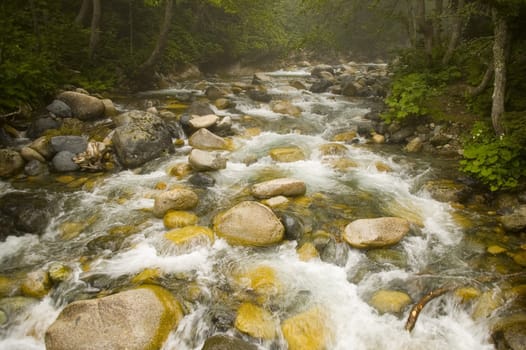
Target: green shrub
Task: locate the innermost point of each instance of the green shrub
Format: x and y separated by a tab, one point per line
407	97
497	162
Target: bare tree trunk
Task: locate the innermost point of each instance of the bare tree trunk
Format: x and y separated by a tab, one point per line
455	33
437	22
157	52
424	26
83	12
95	29
500	45
130	17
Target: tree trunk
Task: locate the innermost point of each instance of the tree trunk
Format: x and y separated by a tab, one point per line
456	31
437	22
424	26
95	29
157	52
484	83
500	44
130	18
83	12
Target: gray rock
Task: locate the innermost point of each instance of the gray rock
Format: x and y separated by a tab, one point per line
73	144
402	134
260	78
259	96
447	190
206	140
515	221
202	180
25	212
199	108
373	233
298	85
213	93
60	109
249	223
141	138
135	319
41	125
205	121
204	160
63	161
316	71
83	107
321	86
294	228
349	87
11	162
284	186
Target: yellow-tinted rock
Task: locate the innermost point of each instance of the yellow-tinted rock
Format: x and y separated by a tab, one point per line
70	230
7	286
333	149
308	252
65	179
190	236
276	201
59	272
382	167
496	249
378	138
147	276
180	170
251	132
177	218
123	230
287	154
342	164
36	284
344	136
262	280
487	303
77	182
519	257
161	186
307	331
390	301
255	321
467	293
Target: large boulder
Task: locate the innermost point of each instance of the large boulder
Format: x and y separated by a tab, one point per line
375	233
286	107
249	223
42	124
63	162
317	70
178	199
60	109
137	319
141	138
199	108
321	85
516	220
444	190
22	213
11	162
204	161
205	140
259	96
83	107
284	186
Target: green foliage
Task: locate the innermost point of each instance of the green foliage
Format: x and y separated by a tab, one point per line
407	97
498	163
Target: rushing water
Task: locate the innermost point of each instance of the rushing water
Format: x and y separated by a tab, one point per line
341	282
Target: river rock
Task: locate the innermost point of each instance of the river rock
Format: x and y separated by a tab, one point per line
177	199
414	146
225	342
446	190
43	146
11	162
402	134
286	107
249	223
308	330
259	96
294	227
321	86
41	125
23	213
373	233
83	107
35	168
390	301
178	218
135	319
144	137
190	236
36	284
510	333
284	186
316	71
206	121
262	281
255	321
73	144
516	220
287	154
260	78
199	108
30	154
223	103
207	140
349	87
204	160
213	93
378	139
298	85
60	109
202	180
63	162
307	252
333	149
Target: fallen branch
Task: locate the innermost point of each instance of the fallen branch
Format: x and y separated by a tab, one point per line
418	307
3	116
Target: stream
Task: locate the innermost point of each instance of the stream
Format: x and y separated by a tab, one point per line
104	233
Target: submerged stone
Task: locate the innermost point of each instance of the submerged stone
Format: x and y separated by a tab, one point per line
225	342
178	218
177	199
287	154
190	236
255	321
308	330
390	301
284	187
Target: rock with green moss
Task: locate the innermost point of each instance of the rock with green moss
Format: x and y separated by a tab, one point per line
135	319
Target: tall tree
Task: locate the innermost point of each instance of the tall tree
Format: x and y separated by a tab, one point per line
500	48
83	12
456	31
95	28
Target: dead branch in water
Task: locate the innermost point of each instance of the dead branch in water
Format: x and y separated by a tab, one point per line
418	307
3	116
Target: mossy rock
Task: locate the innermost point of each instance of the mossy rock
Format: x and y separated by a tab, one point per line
390	301
178	218
255	321
190	236
308	330
287	154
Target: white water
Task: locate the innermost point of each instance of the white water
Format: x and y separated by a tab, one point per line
444	323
